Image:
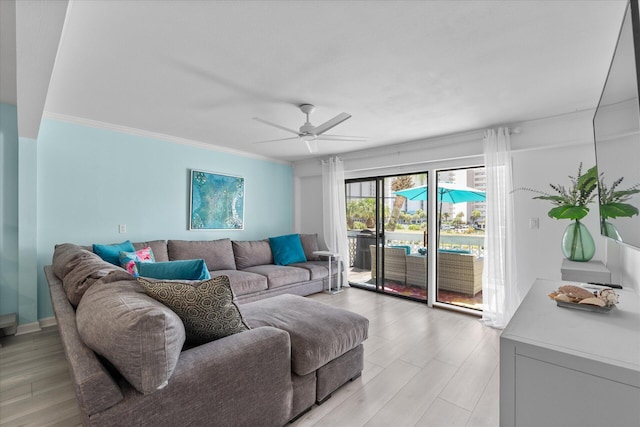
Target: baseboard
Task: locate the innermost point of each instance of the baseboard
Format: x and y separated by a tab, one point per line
48	321
28	328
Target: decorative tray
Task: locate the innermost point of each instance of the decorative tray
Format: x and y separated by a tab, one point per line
584	307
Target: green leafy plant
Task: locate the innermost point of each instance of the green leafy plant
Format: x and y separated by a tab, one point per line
571	203
612	201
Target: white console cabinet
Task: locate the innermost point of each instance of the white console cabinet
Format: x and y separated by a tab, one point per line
565	367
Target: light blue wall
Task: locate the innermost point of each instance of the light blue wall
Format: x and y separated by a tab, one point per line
90	180
8	209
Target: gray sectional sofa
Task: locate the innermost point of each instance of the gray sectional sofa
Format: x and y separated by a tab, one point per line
130	363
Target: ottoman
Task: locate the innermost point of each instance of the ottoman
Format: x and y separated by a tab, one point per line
325	340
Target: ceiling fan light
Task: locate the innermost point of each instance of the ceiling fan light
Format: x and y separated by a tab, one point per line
308	137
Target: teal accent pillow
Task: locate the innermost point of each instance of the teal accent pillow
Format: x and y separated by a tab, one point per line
287	249
111	253
188	269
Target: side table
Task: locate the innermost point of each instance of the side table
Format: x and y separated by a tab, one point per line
331	256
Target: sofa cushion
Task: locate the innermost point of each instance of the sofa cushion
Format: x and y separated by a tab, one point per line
287	249
110	253
243	282
217	254
79	269
317	269
207	308
250	253
310	245
141	337
128	259
188	269
159	248
319	332
280	275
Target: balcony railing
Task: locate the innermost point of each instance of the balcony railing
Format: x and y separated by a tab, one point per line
470	242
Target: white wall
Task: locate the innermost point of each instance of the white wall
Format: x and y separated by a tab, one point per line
546	151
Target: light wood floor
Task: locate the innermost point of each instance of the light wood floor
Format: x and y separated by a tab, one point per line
422	367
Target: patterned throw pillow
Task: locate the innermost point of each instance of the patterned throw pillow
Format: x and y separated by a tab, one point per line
128	259
207	308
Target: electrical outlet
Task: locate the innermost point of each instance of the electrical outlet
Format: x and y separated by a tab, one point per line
122	228
534	223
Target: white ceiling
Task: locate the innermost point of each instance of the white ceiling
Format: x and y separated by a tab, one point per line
405	71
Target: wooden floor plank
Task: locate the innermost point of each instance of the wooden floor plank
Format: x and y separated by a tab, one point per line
423	366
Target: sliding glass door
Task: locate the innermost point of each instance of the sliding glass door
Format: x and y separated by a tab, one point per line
461	207
388	234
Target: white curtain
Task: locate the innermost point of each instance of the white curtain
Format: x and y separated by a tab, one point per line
500	295
335	211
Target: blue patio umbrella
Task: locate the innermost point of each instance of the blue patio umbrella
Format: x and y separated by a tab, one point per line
447	192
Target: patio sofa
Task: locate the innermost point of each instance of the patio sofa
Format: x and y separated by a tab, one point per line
457	271
131	362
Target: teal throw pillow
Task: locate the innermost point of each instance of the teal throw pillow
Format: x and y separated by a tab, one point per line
189	269
111	253
287	249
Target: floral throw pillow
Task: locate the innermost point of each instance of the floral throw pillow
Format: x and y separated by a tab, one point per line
128	259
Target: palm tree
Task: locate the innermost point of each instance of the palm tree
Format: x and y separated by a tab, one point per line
398	183
475	215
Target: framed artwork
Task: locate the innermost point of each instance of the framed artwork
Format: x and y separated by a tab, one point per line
216	202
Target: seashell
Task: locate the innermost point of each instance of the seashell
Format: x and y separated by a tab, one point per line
608	296
593	301
563	298
575	292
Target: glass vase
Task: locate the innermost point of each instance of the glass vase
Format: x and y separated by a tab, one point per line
610	230
577	243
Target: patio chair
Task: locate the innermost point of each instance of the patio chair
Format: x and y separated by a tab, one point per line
417	270
394	263
460	273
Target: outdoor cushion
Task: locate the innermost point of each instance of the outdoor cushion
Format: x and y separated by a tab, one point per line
319	332
287	249
159	248
280	275
141	337
207	308
217	254
250	253
189	269
110	253
243	282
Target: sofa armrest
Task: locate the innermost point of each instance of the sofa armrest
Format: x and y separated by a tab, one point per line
243	379
95	388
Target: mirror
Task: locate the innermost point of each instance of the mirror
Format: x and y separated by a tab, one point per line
617	136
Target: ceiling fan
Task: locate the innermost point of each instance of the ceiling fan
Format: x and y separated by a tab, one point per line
309	133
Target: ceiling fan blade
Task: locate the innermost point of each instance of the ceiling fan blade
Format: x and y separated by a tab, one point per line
275	125
312	146
276	140
342	138
331	123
